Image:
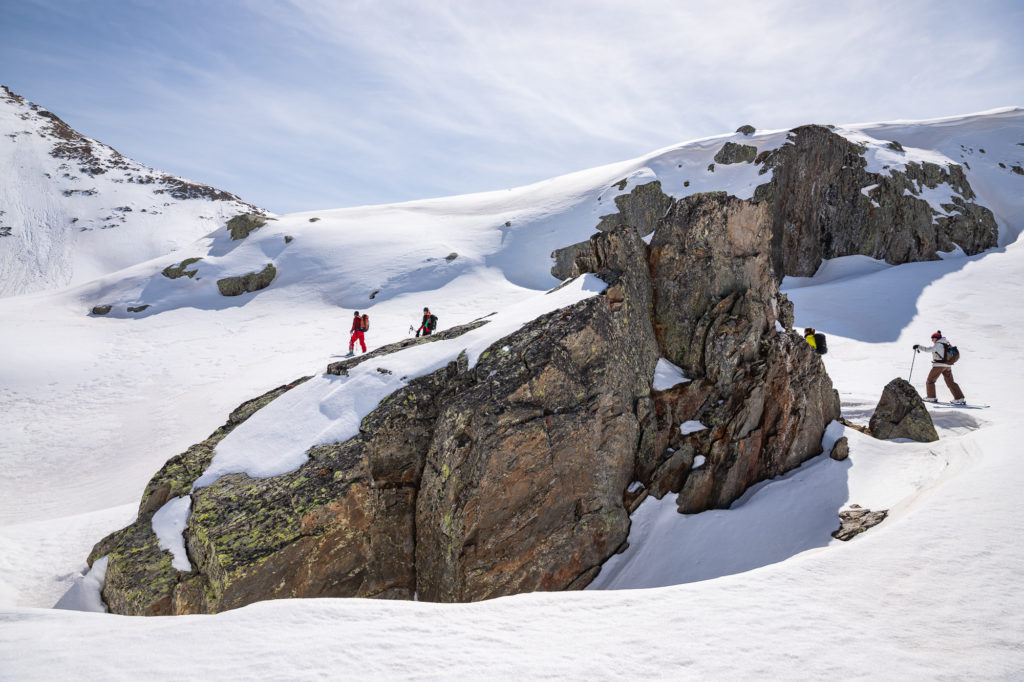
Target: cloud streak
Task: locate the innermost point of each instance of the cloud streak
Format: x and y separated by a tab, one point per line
318	103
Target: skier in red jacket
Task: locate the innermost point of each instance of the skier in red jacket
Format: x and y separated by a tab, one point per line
359	325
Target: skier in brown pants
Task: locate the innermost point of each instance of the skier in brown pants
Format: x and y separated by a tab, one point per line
940	368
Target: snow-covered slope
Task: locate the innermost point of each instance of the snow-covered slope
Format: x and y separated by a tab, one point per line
72	208
91	407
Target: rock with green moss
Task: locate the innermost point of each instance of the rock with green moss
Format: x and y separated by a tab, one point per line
640	209
253	281
735	153
181	269
241	225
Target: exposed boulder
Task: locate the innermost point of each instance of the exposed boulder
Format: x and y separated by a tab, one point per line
181	269
253	281
241	225
901	413
840	449
735	153
101	309
856	520
746	129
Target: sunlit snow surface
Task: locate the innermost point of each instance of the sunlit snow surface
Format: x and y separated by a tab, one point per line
92	407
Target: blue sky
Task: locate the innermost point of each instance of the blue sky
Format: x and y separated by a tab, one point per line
313	104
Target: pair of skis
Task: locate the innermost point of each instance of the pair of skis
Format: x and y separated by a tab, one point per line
966	407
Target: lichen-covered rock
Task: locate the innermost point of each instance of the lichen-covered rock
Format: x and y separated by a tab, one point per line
735	153
241	225
746	130
140	579
640	209
181	269
901	413
253	281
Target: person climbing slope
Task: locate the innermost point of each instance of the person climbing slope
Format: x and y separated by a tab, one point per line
360	325
429	323
942	361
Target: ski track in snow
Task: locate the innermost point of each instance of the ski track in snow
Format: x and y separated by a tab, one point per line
92	407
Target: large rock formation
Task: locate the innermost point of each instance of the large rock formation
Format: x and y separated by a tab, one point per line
519	473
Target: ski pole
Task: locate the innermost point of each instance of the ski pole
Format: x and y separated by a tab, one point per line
912	366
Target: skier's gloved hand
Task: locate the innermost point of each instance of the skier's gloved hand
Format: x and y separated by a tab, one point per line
417	333
917	346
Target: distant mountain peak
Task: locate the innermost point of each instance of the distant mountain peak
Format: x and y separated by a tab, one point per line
64	188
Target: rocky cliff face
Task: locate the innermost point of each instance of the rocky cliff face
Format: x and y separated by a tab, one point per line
826	204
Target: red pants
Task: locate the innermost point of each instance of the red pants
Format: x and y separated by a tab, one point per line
947	374
357	336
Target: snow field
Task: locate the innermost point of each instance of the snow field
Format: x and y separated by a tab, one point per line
92	407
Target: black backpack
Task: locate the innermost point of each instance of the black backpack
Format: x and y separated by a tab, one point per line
432	322
821	346
951	355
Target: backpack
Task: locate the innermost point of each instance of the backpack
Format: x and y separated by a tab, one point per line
951	355
365	323
821	346
432	322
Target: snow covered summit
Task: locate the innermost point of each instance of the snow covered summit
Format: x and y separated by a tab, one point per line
73	209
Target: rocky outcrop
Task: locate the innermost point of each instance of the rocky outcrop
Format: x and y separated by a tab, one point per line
735	153
519	473
856	520
901	413
241	225
253	281
181	269
763	395
820	211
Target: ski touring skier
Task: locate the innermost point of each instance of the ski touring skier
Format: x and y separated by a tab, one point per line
429	323
360	325
944	354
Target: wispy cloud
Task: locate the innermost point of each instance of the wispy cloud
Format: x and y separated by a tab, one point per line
312	103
